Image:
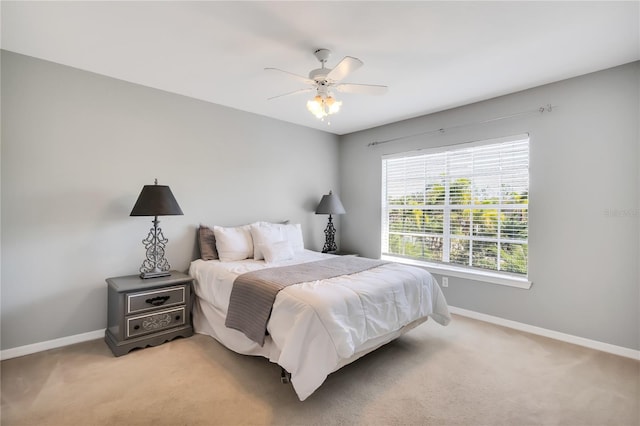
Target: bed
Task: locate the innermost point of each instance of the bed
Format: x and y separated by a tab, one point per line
316	326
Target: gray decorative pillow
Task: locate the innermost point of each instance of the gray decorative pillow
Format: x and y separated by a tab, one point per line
207	243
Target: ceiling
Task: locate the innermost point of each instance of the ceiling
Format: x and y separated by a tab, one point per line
432	55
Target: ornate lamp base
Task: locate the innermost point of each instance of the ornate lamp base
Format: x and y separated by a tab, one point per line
330	235
155	265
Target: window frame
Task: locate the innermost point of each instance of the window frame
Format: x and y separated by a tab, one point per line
445	267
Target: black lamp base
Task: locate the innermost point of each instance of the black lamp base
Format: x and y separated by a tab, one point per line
330	238
147	275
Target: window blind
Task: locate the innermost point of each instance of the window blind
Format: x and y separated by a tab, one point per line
466	206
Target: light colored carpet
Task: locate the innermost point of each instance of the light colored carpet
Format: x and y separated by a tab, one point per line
469	373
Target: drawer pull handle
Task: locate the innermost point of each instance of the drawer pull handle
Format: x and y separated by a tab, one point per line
137	327
157	301
177	317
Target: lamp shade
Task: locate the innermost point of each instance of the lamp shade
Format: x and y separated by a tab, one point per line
156	200
330	204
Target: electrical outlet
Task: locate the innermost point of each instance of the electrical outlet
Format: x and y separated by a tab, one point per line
445	281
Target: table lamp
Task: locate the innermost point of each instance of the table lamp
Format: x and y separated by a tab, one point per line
155	200
330	204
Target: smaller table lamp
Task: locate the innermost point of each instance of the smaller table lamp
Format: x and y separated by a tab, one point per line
155	200
330	204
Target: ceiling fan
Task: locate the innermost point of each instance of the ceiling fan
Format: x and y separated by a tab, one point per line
324	80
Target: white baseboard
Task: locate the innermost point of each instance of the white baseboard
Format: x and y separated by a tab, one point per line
50	344
580	341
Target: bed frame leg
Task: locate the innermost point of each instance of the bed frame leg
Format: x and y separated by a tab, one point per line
285	376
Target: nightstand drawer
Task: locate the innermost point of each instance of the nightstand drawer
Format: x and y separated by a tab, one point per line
140	302
155	321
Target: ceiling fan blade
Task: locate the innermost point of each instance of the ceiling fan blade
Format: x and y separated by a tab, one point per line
290	74
345	67
295	92
361	89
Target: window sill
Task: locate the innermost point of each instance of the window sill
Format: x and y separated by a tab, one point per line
453	271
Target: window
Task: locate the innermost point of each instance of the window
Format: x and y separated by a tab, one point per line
463	207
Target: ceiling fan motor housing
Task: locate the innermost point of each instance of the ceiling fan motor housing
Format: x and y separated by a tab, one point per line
319	75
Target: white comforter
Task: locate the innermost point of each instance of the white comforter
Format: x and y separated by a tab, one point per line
316	327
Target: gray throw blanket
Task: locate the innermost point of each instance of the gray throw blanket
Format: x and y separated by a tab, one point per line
253	293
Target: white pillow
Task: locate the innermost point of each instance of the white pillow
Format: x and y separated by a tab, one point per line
264	233
293	234
277	252
233	243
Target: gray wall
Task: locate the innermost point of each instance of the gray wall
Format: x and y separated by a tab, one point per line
584	201
77	149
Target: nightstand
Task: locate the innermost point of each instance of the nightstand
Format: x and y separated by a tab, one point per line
147	312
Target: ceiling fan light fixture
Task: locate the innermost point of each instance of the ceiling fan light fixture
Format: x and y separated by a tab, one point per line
323	105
